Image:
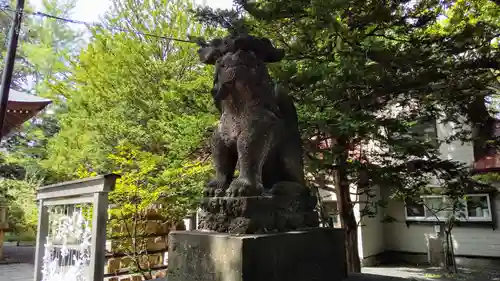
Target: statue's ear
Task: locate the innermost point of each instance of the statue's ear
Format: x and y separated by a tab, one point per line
209	55
244	43
275	55
271	53
262	47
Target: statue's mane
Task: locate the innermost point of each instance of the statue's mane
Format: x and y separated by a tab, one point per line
210	53
261	47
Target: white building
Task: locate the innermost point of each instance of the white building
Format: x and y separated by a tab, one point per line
476	240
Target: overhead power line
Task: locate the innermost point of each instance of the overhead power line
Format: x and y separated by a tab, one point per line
93	24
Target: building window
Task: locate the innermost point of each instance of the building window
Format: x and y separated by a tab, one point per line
474	207
331	213
427	130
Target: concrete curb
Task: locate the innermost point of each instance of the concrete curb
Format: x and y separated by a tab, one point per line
21	243
7	260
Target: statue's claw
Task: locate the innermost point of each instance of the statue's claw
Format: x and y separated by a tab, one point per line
243	188
215	188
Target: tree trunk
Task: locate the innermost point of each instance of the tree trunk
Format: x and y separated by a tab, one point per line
346	213
482	128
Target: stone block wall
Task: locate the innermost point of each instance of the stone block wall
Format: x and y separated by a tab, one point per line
4	227
153	240
157	274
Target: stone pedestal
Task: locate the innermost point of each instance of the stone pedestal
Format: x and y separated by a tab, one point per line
259	214
313	254
287	206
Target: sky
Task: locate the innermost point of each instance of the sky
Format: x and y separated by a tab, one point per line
91	10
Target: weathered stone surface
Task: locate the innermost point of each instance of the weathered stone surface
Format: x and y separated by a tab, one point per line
237	214
287	206
137	278
258	126
313	254
113	265
259	214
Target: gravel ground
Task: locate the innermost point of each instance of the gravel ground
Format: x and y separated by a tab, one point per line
21	254
25	255
405	273
16	272
426	273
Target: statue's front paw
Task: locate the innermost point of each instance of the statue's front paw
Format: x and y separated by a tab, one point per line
243	188
215	188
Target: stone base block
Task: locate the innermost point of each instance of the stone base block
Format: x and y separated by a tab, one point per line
259	214
286	206
312	254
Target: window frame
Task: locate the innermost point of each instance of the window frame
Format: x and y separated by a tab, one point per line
465	211
428	130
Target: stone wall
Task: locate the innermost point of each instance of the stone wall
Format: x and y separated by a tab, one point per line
152	243
4	227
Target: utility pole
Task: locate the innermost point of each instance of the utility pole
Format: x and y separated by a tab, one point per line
9	62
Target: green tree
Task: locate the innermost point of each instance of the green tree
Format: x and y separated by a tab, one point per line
147	91
22	209
138	106
42	42
19	76
45	52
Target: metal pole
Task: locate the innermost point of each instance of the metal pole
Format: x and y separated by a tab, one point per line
9	62
41	238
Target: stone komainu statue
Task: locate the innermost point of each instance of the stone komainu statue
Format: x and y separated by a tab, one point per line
258	131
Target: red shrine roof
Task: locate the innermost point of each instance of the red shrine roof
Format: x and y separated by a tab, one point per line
20	108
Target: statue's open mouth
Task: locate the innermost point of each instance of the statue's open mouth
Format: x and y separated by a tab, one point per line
227	79
223	91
